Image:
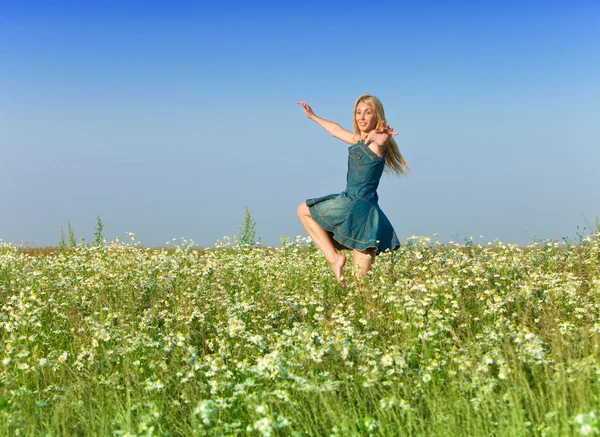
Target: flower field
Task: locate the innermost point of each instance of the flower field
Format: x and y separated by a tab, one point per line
468	339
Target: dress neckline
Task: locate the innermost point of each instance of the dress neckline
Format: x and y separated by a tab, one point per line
369	151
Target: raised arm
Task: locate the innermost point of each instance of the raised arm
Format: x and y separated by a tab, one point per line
377	139
333	128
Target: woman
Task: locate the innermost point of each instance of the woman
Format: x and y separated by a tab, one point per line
353	219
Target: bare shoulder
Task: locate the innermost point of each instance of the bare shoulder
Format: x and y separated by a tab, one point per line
377	149
346	136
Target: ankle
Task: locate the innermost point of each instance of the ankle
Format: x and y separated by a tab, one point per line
336	259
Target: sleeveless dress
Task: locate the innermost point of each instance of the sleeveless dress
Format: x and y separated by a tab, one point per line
353	218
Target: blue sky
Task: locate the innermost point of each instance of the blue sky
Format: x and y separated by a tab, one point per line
167	119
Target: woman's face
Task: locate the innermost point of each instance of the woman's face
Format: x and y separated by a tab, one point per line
365	117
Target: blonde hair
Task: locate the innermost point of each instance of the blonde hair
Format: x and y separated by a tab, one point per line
394	162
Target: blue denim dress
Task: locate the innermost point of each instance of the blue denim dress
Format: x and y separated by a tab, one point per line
353	217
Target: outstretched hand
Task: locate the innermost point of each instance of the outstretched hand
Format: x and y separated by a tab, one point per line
380	136
307	109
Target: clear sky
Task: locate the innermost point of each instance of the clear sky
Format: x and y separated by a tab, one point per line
167	119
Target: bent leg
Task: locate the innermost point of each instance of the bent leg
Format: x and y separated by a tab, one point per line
362	260
323	241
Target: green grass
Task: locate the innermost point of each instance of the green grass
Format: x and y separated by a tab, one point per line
477	340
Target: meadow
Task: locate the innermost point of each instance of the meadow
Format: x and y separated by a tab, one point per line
463	339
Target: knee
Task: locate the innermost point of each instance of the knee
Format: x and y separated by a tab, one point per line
302	210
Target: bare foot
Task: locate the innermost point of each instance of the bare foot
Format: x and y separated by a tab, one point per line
337	266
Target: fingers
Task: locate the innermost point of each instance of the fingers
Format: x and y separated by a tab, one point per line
307	109
390	130
387	129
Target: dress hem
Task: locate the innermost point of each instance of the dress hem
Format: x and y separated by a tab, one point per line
344	242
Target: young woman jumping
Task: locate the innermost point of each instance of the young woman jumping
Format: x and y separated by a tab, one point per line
353	219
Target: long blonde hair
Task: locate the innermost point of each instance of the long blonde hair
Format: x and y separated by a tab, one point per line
394	162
